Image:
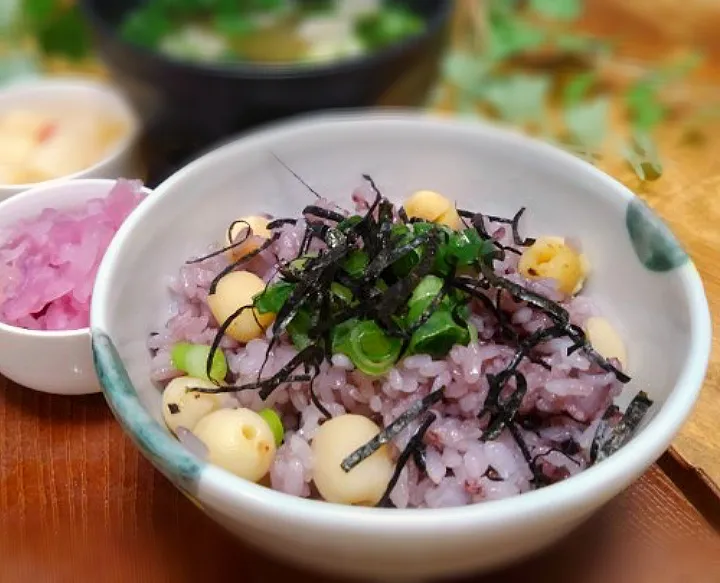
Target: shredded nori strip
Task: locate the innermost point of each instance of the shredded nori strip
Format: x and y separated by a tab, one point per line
556	312
539	479
228	247
277	223
218	338
602	431
621	433
502	414
313	396
514	224
556	450
392	430
308	356
420	457
390	255
315	270
580	339
381	296
399	293
323	213
297	177
233	266
414	446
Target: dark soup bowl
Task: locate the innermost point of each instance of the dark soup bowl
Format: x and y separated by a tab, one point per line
188	106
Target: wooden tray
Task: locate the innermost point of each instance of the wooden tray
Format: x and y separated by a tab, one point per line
79	503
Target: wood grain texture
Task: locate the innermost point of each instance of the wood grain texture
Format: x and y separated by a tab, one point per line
78	502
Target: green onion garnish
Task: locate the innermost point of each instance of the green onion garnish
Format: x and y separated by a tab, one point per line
365	343
192	359
275	423
273	297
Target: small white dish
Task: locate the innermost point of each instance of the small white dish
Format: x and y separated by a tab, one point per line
640	276
57	362
51	93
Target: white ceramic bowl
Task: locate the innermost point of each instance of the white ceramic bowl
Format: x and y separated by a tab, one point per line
640	277
49	361
121	161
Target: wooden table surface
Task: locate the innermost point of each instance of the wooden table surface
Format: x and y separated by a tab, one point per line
687	194
69	477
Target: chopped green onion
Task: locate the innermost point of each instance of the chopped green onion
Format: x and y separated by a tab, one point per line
403	235
438	335
299	329
466	247
299	264
275	423
341	292
349	223
273	297
341	333
355	263
367	345
192	359
473	332
423	295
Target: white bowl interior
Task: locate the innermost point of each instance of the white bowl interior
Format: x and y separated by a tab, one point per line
493	174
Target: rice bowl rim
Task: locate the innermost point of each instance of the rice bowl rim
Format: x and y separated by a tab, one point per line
583	492
38	198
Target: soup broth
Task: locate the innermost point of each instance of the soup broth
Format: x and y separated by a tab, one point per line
272	32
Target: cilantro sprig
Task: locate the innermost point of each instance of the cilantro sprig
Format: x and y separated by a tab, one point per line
491	80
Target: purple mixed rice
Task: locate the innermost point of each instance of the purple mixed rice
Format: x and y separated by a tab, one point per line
568	392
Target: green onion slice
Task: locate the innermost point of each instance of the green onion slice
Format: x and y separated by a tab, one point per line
192	359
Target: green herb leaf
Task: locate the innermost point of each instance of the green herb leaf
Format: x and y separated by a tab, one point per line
466	70
642	156
578	44
587	123
519	98
643	99
566	10
509	34
578	88
644	106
